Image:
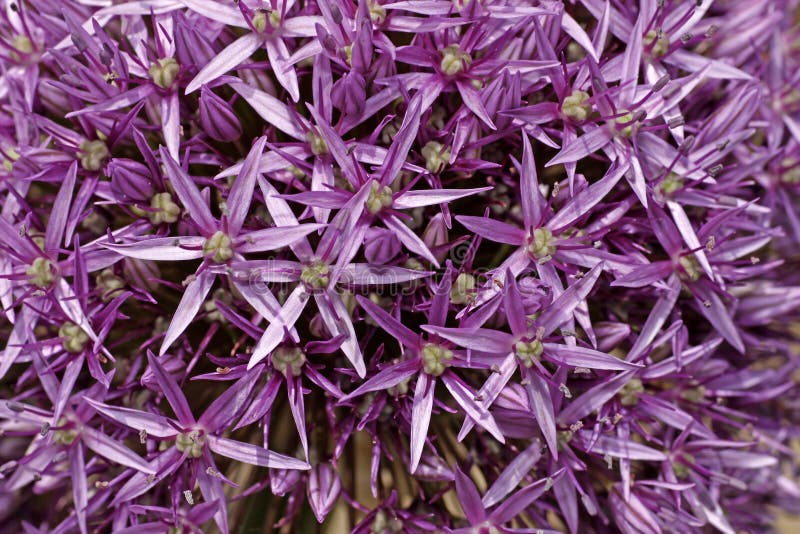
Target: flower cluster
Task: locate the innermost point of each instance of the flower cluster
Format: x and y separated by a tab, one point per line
399	266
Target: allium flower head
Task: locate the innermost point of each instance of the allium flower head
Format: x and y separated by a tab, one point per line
389	266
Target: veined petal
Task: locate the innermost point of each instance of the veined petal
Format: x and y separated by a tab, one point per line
253	454
392	326
77	468
493	230
193	298
153	424
161	248
338	321
430	197
171	124
561	310
587	144
187	192
421	416
285	320
513	474
469	498
230	58
365	274
276	237
539	396
409	239
278	56
242	191
466	399
113	450
171	391
294	390
583	357
54	234
480	339
386	378
270	109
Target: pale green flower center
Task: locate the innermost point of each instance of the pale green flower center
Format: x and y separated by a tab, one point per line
40	272
690	266
542	244
164	71
93	154
629	394
382	524
435	359
454	60
659	42
790	173
672	182
219	247
264	17
288	360
65	436
463	289
22	44
317	143
108	283
436	156
73	338
379	197
190	443
624	124
577	106
210	306
164	209
528	352
9	156
695	395
377	13
315	275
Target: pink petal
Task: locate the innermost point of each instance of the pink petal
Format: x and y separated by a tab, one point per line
193	298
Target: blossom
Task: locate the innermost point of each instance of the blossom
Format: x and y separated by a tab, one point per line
399	266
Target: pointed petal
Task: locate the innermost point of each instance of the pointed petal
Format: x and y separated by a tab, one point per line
154	424
583	357
113	450
466	399
271	110
275	332
276	237
193	298
469	498
54	234
194	204
242	191
542	405
253	454
160	248
230	58
513	474
421	416
389	324
431	197
171	391
561	310
493	230
480	339
386	378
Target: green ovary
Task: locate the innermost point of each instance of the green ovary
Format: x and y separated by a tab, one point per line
219	247
435	359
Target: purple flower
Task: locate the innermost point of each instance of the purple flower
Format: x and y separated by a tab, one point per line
399	266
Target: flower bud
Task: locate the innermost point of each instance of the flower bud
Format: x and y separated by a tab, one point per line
130	180
349	93
217	117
